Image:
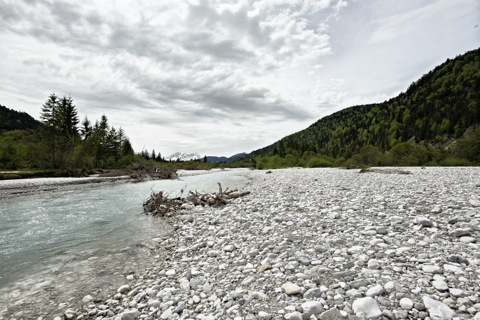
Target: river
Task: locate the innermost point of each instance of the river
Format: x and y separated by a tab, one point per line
56	247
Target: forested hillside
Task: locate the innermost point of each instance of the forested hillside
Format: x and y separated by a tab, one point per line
13	120
432	114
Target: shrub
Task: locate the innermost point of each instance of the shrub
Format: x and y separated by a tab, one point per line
317	162
455	162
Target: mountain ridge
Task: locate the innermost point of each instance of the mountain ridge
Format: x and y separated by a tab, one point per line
16	120
183	156
441	105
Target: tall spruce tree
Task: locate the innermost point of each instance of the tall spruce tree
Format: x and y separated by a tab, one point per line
60	132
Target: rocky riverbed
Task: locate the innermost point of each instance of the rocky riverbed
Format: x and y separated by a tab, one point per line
315	244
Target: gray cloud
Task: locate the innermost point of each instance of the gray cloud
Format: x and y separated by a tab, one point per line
169	66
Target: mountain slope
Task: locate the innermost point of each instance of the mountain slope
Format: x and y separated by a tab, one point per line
15	120
238	156
441	105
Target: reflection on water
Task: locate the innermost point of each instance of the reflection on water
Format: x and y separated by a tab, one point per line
82	238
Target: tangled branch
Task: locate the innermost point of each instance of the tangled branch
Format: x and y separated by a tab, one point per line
161	204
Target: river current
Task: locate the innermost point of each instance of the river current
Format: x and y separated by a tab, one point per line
60	246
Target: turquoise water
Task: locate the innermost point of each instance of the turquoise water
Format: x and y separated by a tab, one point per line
54	231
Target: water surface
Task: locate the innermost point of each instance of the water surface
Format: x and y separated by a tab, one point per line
83	236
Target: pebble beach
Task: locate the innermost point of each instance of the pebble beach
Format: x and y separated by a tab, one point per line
314	244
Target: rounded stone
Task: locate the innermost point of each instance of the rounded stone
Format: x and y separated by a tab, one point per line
406	303
440	285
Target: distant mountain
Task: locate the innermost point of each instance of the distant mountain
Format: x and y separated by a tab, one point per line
182	156
237	156
434	111
15	120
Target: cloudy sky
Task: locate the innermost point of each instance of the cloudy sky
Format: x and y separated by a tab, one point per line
222	77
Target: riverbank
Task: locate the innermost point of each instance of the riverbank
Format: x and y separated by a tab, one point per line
13	188
26	187
326	242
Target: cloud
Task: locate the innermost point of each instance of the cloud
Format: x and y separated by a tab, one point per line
260	70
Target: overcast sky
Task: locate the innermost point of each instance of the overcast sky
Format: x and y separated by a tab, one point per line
222	77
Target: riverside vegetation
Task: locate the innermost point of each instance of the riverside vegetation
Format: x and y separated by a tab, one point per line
60	144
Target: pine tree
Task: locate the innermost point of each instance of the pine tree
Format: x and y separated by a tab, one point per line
86	128
48	117
67	118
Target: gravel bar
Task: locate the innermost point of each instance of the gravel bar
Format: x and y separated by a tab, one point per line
315	244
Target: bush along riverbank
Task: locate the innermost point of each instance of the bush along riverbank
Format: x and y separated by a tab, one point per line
327	243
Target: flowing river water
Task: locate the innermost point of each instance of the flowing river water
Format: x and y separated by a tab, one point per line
57	247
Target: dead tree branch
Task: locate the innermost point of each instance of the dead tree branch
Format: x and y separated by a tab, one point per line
160	204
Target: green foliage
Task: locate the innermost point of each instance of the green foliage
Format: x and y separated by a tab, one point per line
368	156
15	149
290	160
452	161
407	154
468	147
59	132
59	144
440	106
319	162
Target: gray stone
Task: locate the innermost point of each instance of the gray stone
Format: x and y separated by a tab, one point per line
437	309
453	269
419	306
359	283
131	314
460	232
467	239
229	248
248	280
262	315
391	286
311	307
153	303
69	314
431	269
436	209
440	285
294	316
167	314
264	267
332	314
374	291
373	264
291	288
366	307
312	293
474	202
170	273
457	292
400	314
123	288
406	303
355	249
381	230
184	284
424	222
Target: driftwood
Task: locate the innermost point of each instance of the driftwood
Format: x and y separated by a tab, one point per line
385	171
161	204
142	173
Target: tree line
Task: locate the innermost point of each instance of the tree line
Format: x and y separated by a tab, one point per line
63	143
